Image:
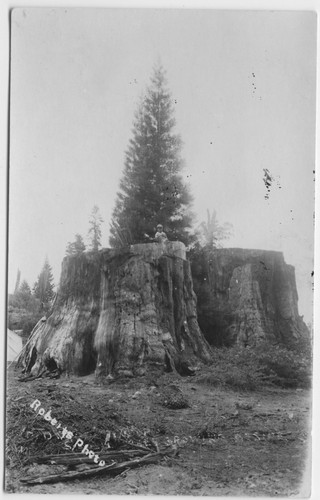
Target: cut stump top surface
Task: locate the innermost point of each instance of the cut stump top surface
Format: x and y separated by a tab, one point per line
156	250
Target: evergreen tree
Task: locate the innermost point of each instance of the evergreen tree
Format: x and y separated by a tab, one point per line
94	232
24	309
152	189
16	288
22	298
211	232
25	288
77	247
43	287
206	239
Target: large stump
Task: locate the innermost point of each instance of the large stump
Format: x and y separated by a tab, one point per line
121	312
246	295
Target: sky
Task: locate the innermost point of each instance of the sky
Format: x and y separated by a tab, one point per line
243	84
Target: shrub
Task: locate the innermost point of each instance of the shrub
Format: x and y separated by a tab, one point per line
21	319
285	367
23	311
248	368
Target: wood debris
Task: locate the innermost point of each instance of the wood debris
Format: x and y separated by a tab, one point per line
112	469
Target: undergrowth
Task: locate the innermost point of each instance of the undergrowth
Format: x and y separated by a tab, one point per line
252	367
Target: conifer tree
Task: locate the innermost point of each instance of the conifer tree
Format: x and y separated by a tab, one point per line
44	288
24	309
94	232
25	288
17	285
76	247
211	232
23	297
152	190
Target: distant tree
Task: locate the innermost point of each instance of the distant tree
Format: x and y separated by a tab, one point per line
24	309
43	287
16	288
152	190
208	237
94	232
25	288
77	247
22	298
211	232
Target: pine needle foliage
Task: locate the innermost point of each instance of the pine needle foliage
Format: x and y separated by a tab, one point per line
44	287
152	190
76	247
94	232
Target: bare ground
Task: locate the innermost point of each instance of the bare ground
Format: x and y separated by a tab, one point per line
230	443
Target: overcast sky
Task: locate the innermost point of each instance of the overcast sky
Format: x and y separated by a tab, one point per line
243	84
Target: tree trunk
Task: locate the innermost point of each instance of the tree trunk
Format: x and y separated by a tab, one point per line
121	312
247	295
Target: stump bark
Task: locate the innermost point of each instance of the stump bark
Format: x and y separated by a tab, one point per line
119	312
246	295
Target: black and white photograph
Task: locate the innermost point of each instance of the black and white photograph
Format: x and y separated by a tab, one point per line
160	251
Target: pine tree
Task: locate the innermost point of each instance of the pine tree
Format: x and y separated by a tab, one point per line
25	288
24	309
77	247
43	287
16	288
207	238
94	232
151	188
211	232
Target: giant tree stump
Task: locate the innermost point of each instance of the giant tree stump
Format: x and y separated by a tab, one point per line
121	312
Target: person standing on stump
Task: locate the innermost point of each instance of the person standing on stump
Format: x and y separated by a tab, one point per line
160	236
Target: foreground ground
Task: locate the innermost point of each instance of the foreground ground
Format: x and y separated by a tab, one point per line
230	443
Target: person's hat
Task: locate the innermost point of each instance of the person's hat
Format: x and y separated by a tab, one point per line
159	225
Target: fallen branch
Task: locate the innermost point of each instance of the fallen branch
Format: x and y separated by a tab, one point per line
112	469
78	458
143	448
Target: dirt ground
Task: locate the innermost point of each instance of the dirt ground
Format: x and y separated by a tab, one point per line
230	443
